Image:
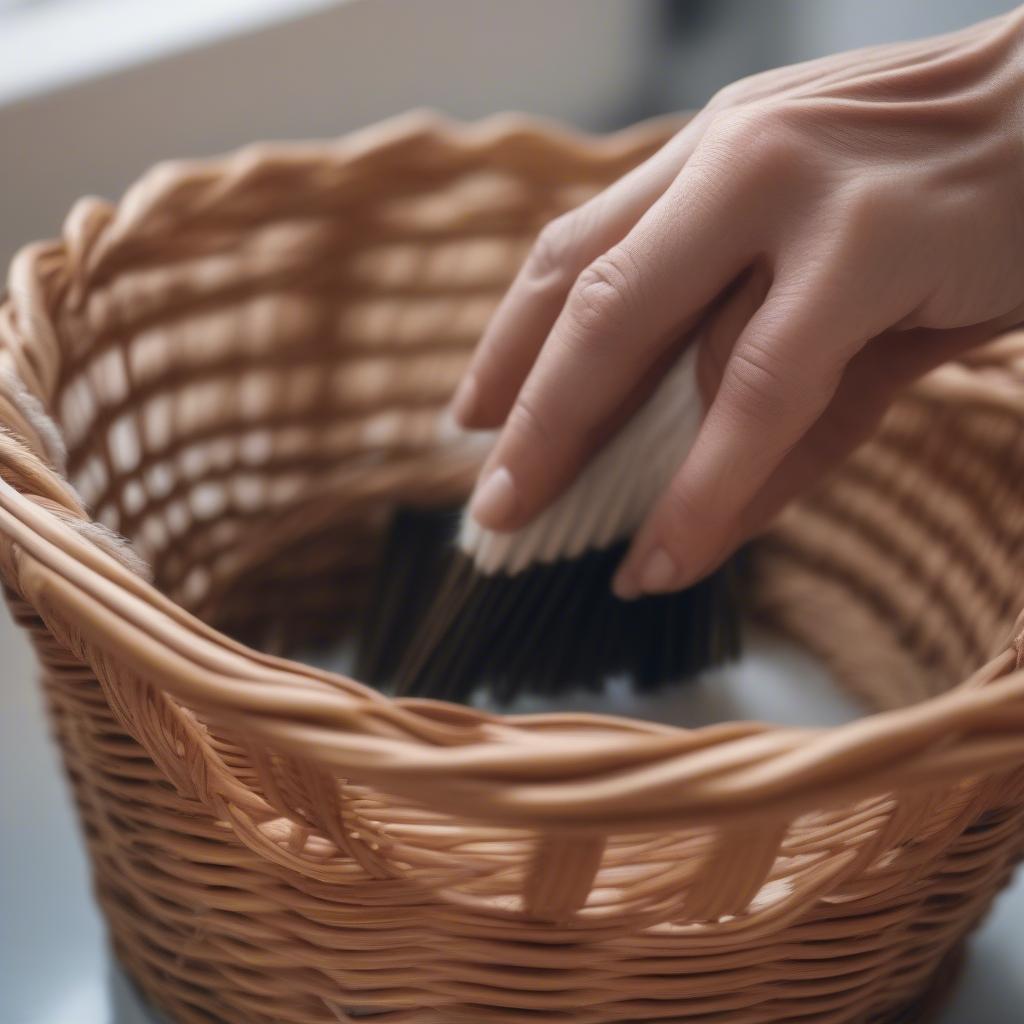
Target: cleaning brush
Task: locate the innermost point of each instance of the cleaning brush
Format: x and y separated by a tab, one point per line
532	611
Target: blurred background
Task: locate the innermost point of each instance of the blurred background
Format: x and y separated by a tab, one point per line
94	91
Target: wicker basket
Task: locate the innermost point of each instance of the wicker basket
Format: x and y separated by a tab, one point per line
240	368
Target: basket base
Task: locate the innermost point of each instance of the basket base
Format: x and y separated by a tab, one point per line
926	1008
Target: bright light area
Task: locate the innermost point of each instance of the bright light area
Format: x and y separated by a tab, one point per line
46	44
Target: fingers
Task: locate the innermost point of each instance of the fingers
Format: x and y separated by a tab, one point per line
873	378
564	248
860	402
777	382
725	323
624	311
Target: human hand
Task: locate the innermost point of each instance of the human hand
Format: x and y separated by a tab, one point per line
838	228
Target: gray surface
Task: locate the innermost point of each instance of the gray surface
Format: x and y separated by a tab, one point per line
54	968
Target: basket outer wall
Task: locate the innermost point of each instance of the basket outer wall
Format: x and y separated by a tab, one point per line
279	331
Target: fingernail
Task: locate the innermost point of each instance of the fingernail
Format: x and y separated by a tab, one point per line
659	572
464	402
495	500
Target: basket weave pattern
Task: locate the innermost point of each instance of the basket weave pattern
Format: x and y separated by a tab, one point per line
239	368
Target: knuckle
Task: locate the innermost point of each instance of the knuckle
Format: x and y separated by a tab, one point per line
763	138
737	92
552	253
603	294
727	96
858	226
866	210
758	382
527	421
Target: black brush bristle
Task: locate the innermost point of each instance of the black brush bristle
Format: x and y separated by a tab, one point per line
412	562
440	628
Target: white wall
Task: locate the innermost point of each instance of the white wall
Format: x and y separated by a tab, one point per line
597	63
319	75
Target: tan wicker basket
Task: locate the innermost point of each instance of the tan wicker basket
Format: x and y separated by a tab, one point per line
239	368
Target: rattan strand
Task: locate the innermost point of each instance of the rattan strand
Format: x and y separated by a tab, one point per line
245	360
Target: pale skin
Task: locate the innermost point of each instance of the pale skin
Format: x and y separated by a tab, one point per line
838	228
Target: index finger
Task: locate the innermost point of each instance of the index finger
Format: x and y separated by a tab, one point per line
622	315
563	249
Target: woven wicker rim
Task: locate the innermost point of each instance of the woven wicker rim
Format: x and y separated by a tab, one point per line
577	772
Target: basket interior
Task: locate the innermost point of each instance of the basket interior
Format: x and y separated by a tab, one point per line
248	361
247	402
